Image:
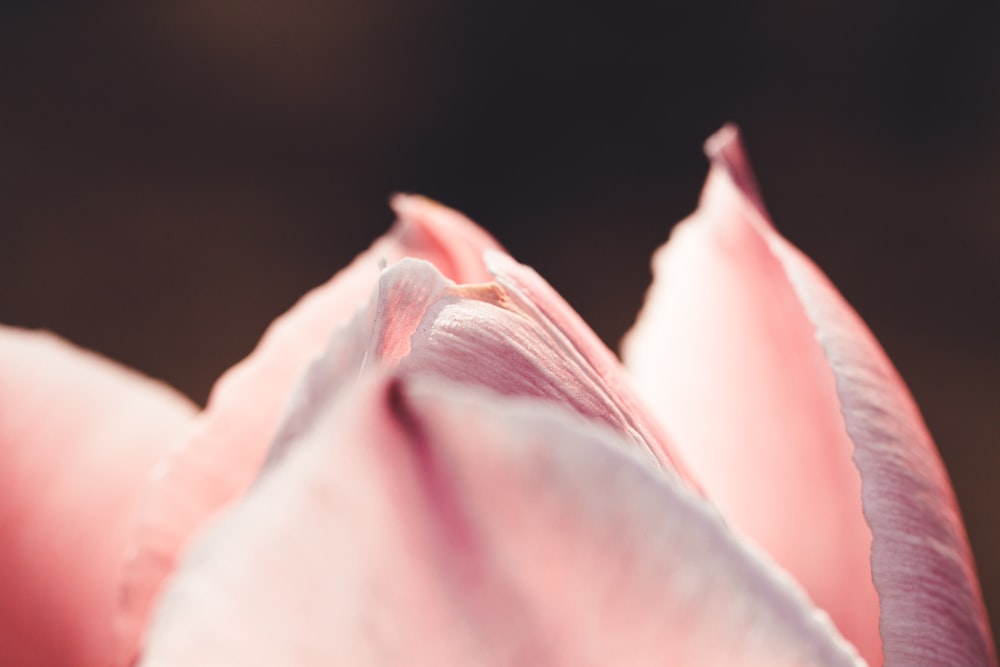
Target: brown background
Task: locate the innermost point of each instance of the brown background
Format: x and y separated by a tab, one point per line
174	176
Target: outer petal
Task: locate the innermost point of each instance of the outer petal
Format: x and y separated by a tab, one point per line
78	436
932	607
423	523
224	450
726	348
724	352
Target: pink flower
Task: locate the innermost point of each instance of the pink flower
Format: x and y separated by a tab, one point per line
457	471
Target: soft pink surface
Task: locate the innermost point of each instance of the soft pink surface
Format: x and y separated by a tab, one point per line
578	341
480	516
423	523
724	352
769	383
223	451
932	607
78	435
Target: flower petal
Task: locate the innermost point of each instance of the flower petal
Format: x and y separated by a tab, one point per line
78	435
726	349
223	452
726	355
932	608
425	523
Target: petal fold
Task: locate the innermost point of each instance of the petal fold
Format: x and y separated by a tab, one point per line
497	335
78	436
421	522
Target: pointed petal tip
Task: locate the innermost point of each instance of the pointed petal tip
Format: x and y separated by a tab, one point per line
725	136
726	151
419	214
403	202
450	240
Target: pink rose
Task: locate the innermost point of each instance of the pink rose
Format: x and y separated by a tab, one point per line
456	471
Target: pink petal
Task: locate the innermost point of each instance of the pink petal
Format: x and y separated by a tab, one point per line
220	456
725	353
78	436
726	350
932	607
425	523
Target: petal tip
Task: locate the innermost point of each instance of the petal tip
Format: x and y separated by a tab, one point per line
404	202
726	151
453	242
418	212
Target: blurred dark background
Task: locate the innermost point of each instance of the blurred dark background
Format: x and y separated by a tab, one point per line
174	175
